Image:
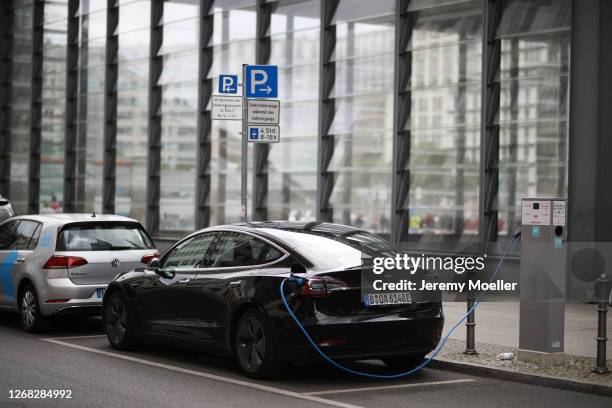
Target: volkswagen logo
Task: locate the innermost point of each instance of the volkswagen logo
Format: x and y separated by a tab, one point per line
115	263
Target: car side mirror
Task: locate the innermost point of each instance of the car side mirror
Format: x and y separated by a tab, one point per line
297	267
154	264
165	273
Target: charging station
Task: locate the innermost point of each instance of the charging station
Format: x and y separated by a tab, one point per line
543	280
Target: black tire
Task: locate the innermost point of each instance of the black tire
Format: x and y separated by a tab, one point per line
403	362
119	323
254	346
30	316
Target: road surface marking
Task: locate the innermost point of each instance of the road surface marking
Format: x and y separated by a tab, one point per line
206	375
91	336
389	387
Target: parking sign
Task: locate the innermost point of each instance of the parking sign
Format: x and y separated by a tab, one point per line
261	81
228	84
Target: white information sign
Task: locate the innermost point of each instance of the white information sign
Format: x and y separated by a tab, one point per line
558	215
263	112
535	212
226	107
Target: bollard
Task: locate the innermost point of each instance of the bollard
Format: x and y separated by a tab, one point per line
602	290
470	325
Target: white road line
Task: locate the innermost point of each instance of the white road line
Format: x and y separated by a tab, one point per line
389	387
206	375
91	336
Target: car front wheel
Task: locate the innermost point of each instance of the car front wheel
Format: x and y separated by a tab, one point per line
255	349
118	323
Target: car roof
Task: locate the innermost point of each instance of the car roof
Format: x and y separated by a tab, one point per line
67	218
323	228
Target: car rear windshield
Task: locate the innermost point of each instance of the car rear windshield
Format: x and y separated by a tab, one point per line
107	236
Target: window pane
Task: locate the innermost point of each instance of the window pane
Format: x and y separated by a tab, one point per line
176	10
134	45
53	107
350	10
107	236
132	110
190	253
235	249
444	121
533	113
363	118
23	234
292	163
134	16
90	124
20	109
5	233
93	25
234	45
180	36
532	16
178	157
179	68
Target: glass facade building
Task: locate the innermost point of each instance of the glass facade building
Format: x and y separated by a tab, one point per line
425	121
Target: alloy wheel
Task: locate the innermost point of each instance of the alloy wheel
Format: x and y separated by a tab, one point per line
116	320
251	344
28	309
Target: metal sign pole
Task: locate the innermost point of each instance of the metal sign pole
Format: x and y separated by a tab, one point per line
245	151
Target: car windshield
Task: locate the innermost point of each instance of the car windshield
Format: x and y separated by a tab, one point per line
103	237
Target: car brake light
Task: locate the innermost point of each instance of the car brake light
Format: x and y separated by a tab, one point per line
147	258
64	262
317	287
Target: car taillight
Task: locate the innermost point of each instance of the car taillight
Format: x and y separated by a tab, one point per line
64	262
147	258
317	287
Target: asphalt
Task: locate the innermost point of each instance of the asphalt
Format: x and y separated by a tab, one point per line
75	355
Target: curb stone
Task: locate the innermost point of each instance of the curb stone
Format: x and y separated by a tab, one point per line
525	378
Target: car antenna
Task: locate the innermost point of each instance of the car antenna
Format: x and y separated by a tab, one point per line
93	215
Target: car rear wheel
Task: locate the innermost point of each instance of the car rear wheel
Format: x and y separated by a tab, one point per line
118	323
255	349
403	363
31	317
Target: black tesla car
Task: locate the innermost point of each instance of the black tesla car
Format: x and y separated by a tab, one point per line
218	290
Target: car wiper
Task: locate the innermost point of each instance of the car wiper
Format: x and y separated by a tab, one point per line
119	248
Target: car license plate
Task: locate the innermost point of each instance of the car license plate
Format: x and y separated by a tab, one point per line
383	299
100	293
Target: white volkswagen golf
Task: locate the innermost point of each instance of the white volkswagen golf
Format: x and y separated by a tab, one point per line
56	264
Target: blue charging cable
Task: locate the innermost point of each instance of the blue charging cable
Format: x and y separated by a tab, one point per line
413	370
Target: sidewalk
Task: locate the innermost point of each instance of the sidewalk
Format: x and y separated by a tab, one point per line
497	331
498	323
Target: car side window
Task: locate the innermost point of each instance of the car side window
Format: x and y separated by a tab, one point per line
23	234
189	254
236	249
6	230
35	237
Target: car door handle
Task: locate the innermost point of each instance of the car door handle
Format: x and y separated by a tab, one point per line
185	280
235	283
20	260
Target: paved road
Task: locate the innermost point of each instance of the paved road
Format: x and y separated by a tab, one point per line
74	355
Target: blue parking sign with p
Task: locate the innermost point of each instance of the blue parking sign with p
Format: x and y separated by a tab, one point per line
261	81
228	84
254	134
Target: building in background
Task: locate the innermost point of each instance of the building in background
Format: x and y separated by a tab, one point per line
383	124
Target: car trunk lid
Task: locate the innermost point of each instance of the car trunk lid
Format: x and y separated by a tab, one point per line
343	296
103	266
